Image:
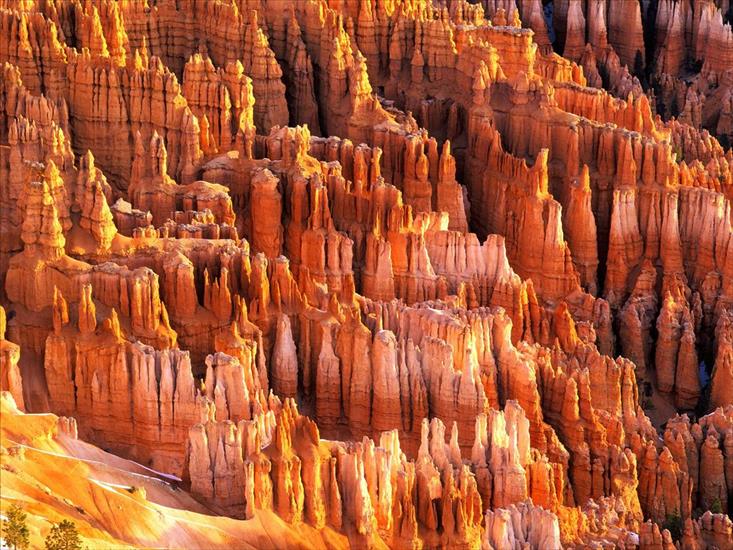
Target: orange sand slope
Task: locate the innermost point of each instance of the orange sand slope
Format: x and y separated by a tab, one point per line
118	503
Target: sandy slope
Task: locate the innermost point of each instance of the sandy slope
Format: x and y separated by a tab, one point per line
56	477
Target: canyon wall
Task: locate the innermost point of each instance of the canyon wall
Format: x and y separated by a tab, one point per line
425	274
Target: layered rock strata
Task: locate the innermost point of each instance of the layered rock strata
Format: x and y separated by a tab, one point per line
395	270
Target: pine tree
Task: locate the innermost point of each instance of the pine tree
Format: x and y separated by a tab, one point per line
63	536
15	531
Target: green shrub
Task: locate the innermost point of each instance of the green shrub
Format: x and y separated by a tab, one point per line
63	536
673	523
15	530
716	507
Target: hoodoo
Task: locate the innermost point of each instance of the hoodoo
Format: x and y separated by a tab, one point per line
368	274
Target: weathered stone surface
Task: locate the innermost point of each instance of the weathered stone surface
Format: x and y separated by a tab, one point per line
488	275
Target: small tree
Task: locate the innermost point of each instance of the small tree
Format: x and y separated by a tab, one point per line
673	523
63	536
15	530
716	507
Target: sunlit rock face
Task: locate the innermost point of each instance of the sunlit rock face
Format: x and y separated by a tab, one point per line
405	274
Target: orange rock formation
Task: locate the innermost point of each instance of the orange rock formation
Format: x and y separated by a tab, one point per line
406	274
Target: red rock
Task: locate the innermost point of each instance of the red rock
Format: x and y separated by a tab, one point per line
10	378
284	369
440	261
